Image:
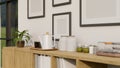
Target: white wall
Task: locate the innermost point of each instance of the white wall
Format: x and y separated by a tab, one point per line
86	35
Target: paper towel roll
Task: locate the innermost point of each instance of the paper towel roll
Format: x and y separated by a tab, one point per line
71	43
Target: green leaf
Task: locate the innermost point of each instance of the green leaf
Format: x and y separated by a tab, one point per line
20	35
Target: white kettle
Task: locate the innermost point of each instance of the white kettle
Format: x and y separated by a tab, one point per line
46	41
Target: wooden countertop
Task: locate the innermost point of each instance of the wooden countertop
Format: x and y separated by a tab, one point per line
81	56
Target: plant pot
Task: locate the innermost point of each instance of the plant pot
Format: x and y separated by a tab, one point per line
20	43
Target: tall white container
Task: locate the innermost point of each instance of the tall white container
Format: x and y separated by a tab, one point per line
62	43
71	43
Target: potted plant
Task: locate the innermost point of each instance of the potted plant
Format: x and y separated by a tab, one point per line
21	38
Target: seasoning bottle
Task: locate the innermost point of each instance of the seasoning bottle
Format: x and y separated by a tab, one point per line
86	49
79	48
92	49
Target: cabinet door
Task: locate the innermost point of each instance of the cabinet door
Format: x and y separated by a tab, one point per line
8	57
22	59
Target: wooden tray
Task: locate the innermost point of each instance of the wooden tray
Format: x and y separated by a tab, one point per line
43	49
109	54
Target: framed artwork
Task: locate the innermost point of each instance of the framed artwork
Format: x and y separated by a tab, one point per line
92	13
60	2
61	24
36	9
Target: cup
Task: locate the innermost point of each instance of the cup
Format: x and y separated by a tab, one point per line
37	44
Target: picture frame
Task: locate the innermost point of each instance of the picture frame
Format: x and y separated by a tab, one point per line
92	14
56	3
61	24
35	9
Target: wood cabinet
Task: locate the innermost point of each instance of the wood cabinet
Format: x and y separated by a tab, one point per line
22	58
81	61
13	57
8	58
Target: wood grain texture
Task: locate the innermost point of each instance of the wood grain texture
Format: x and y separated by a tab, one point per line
78	63
8	60
13	57
81	56
84	64
32	60
53	62
25	58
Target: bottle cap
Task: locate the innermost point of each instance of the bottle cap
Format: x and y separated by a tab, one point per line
47	33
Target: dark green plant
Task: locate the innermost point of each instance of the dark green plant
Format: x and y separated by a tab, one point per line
22	36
